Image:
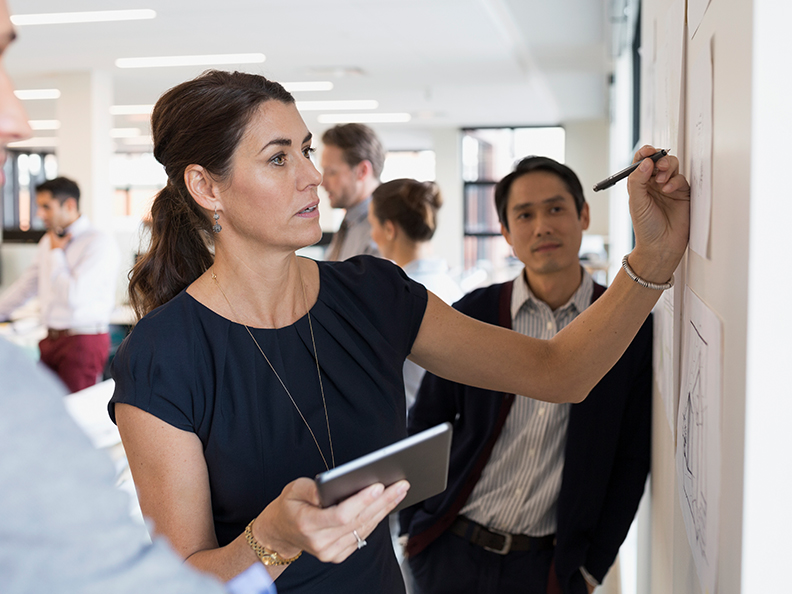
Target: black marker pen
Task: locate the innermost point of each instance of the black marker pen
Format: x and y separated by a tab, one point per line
616	177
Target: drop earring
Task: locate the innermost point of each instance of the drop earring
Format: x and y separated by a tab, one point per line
216	227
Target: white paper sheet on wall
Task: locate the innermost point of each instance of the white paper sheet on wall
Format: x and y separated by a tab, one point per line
648	67
696	11
669	79
698	459
701	151
663	355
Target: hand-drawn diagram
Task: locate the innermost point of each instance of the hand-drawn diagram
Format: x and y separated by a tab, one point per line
693	436
698	435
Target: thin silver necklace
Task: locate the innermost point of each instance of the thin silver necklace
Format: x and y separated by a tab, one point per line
318	372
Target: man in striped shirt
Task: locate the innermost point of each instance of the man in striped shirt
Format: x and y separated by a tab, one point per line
540	495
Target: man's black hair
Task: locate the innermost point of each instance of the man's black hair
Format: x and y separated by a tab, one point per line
529	165
61	189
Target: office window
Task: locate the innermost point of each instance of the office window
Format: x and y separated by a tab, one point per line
23	172
488	154
418	165
136	179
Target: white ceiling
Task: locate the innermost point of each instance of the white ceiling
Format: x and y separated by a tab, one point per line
449	63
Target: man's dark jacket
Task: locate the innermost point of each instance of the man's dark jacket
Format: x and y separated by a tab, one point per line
607	452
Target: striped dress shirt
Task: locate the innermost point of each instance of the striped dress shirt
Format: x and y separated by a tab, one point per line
518	489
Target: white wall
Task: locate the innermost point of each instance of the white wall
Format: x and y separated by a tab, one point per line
744	281
447	241
767	513
587	150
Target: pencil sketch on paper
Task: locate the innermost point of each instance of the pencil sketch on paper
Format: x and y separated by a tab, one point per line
693	438
698	457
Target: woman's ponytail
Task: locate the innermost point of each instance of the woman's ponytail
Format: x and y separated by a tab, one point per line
179	251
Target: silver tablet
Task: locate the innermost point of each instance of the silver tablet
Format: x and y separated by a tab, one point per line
422	459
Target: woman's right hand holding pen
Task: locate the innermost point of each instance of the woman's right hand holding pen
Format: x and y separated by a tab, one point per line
660	211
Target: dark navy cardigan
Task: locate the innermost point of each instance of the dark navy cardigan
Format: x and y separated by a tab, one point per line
607	452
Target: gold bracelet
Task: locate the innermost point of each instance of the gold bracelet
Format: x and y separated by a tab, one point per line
266	556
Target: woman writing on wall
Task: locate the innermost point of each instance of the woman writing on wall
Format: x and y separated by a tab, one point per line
254	369
403	219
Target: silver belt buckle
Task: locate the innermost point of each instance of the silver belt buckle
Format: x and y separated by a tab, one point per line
507	542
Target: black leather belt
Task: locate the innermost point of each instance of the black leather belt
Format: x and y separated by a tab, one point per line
499	542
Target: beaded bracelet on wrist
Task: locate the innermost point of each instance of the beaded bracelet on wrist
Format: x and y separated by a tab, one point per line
266	556
645	283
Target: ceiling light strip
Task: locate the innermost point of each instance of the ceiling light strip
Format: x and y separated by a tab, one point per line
93	16
35	142
132	109
205	60
298	87
363	118
125	132
32	94
138	141
44	124
332	105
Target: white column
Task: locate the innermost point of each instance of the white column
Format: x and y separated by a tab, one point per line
84	143
587	151
447	240
619	223
767	514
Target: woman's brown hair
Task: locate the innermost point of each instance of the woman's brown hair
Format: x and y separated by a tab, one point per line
411	204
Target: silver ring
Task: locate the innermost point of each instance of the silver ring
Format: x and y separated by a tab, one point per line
360	542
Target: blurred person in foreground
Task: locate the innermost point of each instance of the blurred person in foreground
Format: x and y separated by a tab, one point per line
64	527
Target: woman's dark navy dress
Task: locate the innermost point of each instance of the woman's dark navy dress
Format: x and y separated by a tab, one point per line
202	373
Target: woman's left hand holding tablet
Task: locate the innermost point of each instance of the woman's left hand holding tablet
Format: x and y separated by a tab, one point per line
295	521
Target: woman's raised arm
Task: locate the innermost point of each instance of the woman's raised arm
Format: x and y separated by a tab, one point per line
566	367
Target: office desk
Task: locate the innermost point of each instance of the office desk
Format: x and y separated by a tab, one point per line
88	408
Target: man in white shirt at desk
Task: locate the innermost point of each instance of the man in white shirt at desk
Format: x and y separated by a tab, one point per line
64	527
74	275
